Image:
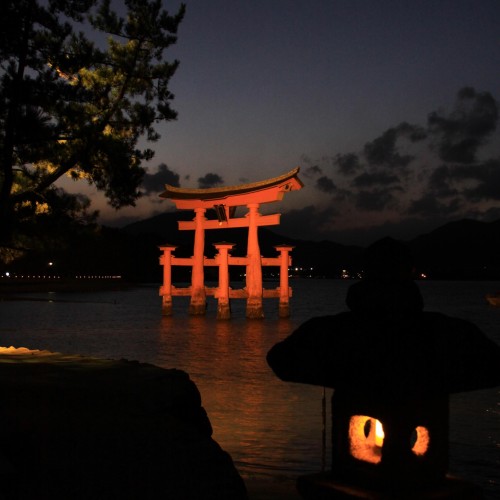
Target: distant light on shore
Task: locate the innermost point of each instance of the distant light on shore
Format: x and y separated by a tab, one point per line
57	277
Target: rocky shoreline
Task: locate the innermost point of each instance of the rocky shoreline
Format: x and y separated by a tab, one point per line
79	427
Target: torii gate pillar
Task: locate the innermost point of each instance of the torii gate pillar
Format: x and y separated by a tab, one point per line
285	292
166	288
254	266
223	306
198	304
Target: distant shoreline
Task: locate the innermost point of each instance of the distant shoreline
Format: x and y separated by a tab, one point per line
10	286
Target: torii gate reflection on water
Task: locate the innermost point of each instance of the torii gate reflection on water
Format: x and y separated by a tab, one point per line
224	201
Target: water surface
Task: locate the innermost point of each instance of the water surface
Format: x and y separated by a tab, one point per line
270	428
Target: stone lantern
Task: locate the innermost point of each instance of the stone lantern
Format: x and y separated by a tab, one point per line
392	366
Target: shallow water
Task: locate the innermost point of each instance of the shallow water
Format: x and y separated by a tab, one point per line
270	428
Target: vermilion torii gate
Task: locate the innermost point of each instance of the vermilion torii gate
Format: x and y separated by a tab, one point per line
225	200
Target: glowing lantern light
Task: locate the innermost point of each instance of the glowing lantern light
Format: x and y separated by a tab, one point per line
379	434
366	438
422	440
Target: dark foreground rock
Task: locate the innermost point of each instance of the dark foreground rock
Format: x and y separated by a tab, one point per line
84	428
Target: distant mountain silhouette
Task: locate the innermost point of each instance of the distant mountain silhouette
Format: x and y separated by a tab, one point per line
321	259
464	249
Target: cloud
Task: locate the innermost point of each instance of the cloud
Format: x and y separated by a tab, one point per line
459	135
325	184
367	179
312	223
403	170
429	206
347	164
384	152
307	223
474	183
313	171
155	183
210	180
487	176
405	228
376	200
491	214
440	181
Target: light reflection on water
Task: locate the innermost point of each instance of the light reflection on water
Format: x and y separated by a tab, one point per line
264	423
268	426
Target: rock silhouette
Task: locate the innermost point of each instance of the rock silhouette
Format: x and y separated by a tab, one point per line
76	427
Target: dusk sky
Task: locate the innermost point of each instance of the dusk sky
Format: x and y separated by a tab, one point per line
390	108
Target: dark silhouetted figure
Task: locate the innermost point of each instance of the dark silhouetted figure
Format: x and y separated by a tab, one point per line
390	360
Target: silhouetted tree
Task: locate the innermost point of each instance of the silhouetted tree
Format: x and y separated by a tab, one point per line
80	86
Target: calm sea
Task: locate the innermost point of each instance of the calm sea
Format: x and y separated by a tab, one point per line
270	428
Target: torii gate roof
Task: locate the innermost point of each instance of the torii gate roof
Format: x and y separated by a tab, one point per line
265	191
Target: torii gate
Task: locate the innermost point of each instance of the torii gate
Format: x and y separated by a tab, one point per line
225	200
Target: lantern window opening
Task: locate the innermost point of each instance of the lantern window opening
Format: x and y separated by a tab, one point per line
372	424
420	440
366	438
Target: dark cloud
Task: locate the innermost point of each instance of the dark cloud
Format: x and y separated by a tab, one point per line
431	174
308	223
313	171
325	184
376	200
460	134
314	224
476	183
413	133
343	195
210	180
492	214
306	160
347	164
405	228
430	206
155	183
383	151
487	176
367	179
440	182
